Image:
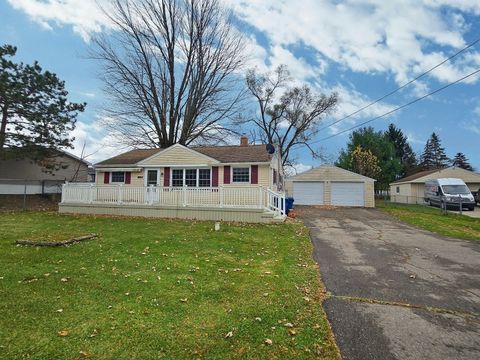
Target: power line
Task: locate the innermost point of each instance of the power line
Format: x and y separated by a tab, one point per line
400	107
403	86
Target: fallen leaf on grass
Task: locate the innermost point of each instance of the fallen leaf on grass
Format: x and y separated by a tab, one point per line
59	310
84	354
268	342
289	325
229	335
306	298
259	319
94	333
184	300
292	332
64	279
63	333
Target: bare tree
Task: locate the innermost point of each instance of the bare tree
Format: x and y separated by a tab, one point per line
288	115
170	70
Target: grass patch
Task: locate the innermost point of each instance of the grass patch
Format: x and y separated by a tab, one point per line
431	219
149	289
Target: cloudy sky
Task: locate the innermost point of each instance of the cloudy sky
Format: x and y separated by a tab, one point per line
362	49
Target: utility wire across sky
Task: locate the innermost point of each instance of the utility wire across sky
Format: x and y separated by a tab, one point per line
401	107
403	86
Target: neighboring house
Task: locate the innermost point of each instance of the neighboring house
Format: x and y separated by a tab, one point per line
26	176
331	185
201	182
411	189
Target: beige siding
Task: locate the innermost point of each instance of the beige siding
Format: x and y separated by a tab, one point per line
413	192
405	195
327	174
137	178
327	192
264	176
179	156
70	169
231	215
369	194
474	186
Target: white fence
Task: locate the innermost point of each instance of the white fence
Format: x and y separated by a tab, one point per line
221	197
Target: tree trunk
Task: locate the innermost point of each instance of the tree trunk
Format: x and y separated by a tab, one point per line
3	127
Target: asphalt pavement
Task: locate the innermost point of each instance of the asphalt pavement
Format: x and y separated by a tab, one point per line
396	292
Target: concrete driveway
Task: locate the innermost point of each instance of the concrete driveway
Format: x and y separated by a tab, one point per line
397	292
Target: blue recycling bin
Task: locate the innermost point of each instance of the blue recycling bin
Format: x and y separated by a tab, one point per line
288	204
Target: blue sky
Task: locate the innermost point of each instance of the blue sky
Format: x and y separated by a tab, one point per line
361	49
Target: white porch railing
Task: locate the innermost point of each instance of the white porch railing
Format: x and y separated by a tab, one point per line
222	197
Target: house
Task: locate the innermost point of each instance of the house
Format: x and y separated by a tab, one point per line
231	183
46	176
331	185
411	189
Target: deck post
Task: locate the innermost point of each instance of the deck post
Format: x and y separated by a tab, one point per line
184	191
220	193
120	188
260	200
91	193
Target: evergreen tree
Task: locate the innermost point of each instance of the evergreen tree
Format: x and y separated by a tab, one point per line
403	150
461	161
434	156
35	114
380	147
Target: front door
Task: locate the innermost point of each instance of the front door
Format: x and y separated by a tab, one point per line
152	177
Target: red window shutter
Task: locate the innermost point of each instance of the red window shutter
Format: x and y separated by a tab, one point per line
226	174
166	177
128	177
254	177
106	177
214	176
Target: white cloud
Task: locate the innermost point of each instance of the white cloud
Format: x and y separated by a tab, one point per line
94	142
84	16
350	101
297	169
370	36
414	140
473	126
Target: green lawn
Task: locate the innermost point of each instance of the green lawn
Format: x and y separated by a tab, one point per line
431	219
149	289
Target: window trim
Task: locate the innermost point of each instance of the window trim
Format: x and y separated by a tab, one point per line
197	183
241	167
158	176
117	182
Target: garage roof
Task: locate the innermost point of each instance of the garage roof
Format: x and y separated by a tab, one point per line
329	172
450	172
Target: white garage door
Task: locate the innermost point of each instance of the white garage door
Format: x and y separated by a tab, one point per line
308	193
348	194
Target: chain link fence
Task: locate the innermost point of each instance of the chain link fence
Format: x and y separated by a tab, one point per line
443	204
25	194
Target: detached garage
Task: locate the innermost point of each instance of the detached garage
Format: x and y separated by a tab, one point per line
331	185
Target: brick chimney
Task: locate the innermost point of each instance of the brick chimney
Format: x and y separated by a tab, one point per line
243	140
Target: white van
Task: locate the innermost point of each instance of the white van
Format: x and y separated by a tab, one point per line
449	192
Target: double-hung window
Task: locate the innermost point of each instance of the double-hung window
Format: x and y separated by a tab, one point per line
241	174
118	177
191	177
204	178
177	177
